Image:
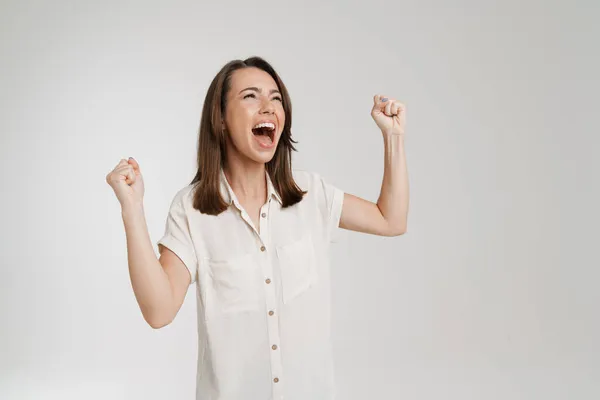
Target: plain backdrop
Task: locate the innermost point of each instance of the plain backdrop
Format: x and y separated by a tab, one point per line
491	294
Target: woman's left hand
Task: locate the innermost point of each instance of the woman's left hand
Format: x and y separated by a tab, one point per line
389	115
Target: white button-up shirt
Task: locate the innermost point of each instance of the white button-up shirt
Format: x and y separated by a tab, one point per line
263	295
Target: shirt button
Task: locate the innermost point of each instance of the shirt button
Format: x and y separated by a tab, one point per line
262	248
263	215
271	312
268	281
276	380
274	347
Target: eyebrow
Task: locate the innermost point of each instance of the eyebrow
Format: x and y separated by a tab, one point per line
255	89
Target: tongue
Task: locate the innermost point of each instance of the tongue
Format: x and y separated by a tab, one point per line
264	139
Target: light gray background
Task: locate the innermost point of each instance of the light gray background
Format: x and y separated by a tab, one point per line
492	293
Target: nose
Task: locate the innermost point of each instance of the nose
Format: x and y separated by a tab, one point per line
267	107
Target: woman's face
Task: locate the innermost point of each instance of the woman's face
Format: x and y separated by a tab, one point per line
254	116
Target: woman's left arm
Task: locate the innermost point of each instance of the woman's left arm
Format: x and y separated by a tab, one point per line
387	217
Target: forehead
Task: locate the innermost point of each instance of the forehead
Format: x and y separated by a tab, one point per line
247	77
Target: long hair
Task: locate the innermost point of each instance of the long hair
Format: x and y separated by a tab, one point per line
211	143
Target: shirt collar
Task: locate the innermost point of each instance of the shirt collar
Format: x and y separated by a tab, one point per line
230	197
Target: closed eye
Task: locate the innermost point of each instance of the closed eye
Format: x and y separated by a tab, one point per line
253	96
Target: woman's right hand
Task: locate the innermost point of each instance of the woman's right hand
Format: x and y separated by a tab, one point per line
127	182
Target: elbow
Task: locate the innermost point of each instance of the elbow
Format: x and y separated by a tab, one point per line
157	321
397	230
158	324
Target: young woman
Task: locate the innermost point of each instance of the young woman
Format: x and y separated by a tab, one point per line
253	235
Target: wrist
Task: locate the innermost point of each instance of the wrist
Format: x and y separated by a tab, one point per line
132	208
397	131
394	137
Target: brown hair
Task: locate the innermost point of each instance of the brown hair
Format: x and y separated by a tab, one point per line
211	143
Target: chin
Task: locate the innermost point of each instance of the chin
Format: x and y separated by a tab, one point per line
261	157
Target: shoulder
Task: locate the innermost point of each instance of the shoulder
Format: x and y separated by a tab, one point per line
313	181
184	197
306	180
319	189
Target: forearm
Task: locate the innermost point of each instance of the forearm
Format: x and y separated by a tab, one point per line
394	197
150	282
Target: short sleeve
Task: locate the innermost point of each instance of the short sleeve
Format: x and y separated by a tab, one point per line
333	202
177	237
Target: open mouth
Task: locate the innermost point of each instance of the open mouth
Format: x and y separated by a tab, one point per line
264	134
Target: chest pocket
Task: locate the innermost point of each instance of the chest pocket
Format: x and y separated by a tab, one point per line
231	286
298	267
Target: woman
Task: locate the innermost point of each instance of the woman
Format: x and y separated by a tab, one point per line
253	234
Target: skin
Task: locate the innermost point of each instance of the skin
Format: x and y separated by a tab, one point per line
160	285
389	215
245	169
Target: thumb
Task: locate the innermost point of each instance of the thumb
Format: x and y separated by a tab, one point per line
379	102
134	164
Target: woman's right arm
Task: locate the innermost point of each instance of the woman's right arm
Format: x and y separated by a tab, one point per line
159	284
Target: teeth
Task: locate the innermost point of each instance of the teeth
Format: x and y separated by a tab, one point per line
269	125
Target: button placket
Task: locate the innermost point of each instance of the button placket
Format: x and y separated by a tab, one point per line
271	302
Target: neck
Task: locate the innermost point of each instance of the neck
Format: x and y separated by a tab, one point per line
247	179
